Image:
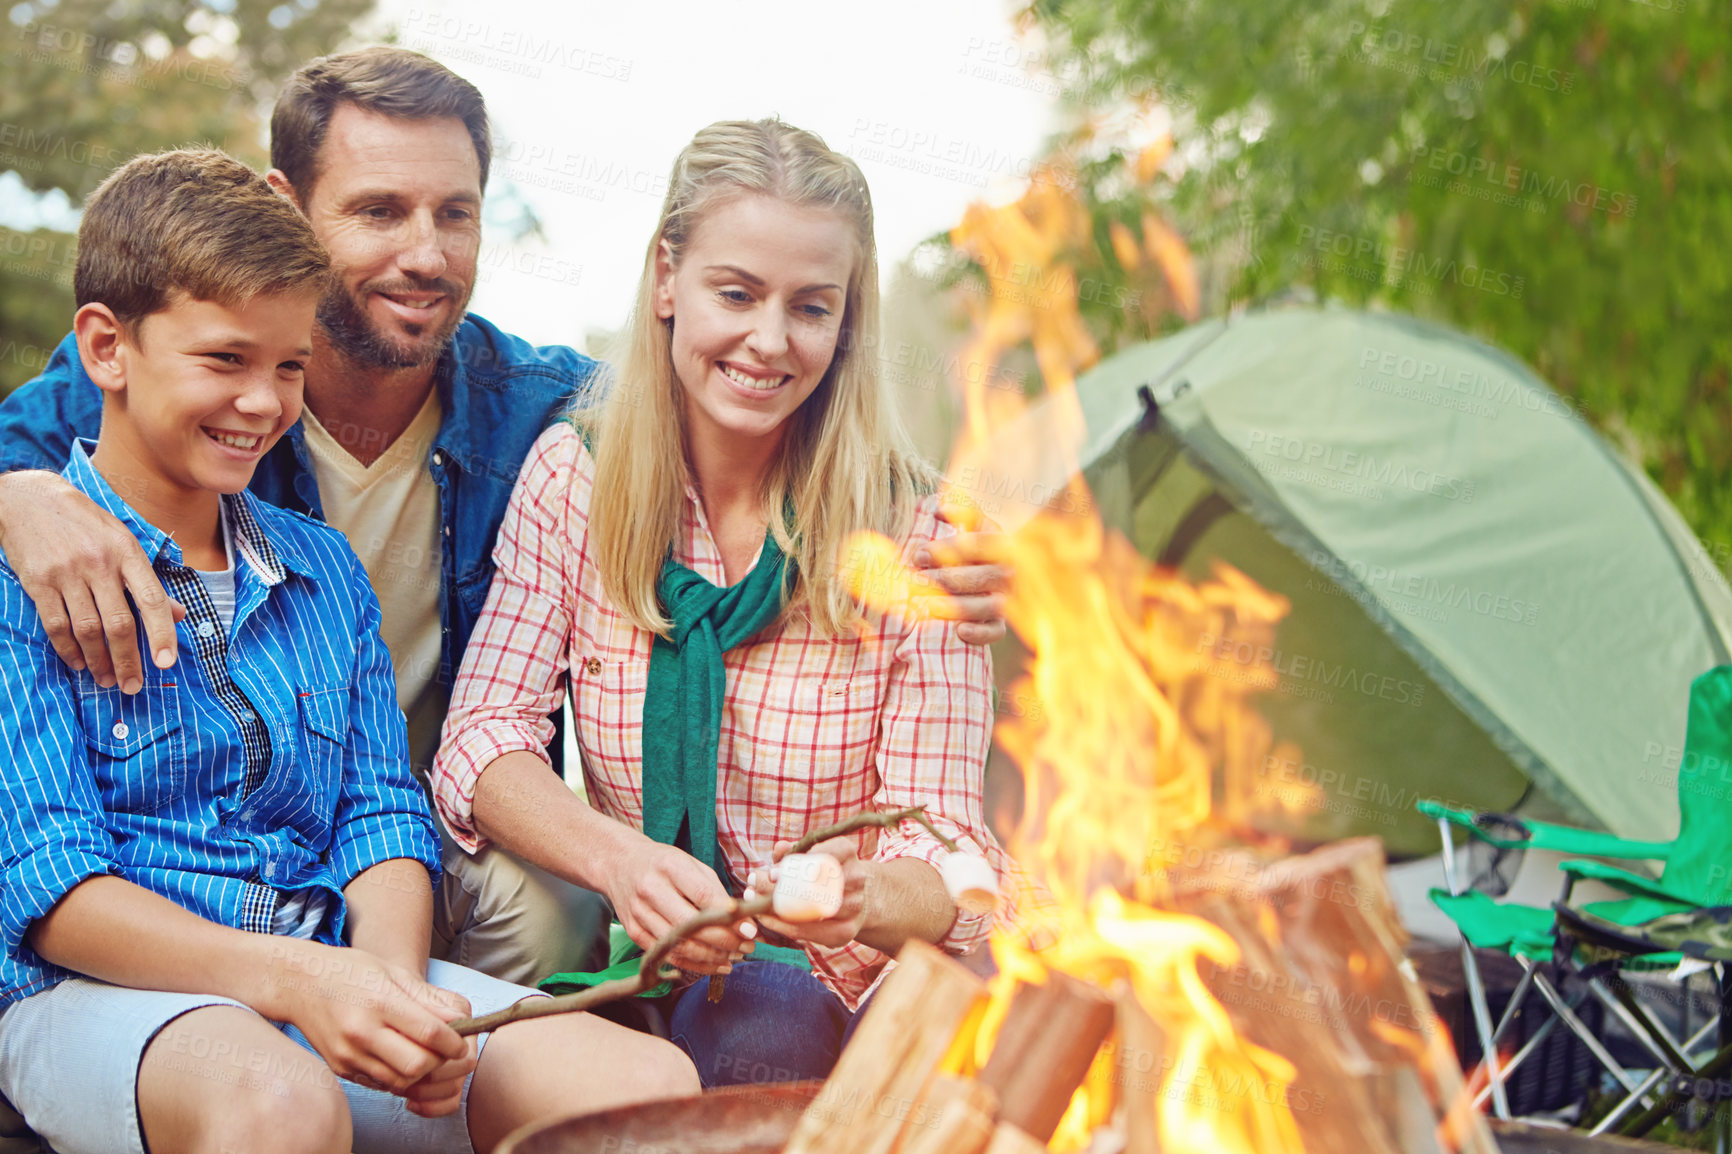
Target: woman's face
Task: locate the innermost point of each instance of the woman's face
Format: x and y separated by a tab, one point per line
756	304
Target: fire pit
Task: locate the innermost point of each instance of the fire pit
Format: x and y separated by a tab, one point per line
760	1119
739	1120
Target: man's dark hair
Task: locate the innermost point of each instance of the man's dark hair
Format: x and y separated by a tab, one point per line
196	222
390	81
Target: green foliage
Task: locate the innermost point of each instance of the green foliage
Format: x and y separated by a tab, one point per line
1552	175
88	84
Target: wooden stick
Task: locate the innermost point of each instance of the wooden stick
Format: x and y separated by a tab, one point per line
648	973
1044	1049
887	820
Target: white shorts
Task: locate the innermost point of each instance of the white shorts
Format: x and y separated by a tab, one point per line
69	1061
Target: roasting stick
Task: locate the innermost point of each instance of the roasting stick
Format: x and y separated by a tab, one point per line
849	825
649	971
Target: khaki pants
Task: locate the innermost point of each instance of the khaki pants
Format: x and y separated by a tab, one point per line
510	920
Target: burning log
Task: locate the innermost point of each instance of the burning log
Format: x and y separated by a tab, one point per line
1138	1033
882	1076
1044	1048
1007	1139
1322	982
958	1114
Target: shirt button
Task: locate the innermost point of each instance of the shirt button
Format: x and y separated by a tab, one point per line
592	666
438	458
206	629
120	731
270	869
448	530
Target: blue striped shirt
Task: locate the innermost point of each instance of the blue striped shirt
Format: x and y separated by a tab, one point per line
270	759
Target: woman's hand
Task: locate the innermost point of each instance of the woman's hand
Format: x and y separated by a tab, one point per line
849	921
654	887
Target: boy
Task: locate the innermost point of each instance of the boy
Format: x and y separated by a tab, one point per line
240	843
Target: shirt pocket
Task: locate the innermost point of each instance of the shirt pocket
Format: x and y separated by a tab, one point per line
136	745
809	739
607	705
324	718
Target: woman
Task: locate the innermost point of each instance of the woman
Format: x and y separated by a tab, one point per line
674	552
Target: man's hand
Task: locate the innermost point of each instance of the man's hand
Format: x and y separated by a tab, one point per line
373	1022
655	887
974	569
848	921
78	563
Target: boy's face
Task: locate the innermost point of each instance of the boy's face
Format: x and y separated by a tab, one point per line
210	388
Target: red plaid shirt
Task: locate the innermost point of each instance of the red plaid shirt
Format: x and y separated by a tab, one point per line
814	729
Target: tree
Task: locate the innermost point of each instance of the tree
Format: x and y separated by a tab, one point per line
1553	175
90	83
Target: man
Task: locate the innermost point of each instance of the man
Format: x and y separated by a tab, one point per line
418	418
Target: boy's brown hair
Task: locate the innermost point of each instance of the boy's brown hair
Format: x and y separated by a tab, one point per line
192	221
384	79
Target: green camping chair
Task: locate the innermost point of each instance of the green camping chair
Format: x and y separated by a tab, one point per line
1687	911
1697	873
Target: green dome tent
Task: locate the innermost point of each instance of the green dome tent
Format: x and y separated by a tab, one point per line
1489	605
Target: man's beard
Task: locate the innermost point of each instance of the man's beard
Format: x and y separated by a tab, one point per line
354	334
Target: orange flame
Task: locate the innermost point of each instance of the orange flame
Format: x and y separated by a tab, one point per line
1137	710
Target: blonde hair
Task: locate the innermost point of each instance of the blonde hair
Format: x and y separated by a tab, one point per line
845	463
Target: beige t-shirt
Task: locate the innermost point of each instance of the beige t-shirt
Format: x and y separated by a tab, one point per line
389	511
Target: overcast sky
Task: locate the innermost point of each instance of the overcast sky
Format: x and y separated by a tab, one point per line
591	102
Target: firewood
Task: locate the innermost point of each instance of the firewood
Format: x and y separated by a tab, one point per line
879	1079
1322	983
956	1116
1007	1139
1141	1043
1044	1048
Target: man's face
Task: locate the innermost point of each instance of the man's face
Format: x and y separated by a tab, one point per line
398	205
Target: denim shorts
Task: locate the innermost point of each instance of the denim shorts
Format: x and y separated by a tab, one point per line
69	1061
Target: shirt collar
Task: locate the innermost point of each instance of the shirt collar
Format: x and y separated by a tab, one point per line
269	558
448	377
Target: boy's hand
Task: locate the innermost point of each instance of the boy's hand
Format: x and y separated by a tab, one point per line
78	563
655	888
372	1022
441	1092
974	568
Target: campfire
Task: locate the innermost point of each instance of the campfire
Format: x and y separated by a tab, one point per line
1174	984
